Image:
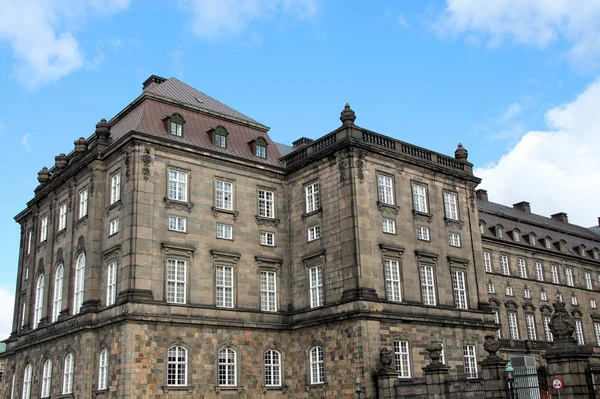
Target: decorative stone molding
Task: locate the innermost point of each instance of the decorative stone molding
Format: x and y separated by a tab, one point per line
218	211
264	261
390	250
424	217
360	164
263	221
92	181
511	305
314	259
112	252
80	246
491	345
386	358
116	205
146	159
81	222
426	255
60	257
528	305
127	153
182	206
458	224
388	208
225	256
182	250
70	197
457	260
306	215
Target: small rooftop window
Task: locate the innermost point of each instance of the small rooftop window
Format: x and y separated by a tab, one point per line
175	124
532	239
219	136
516	235
259	147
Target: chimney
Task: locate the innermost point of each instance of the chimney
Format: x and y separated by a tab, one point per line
599	222
152	82
523	206
561	217
301	142
482	195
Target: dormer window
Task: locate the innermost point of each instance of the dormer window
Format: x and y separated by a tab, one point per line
219	136
562	245
582	251
596	253
532	239
482	227
499	233
260	147
548	243
175	124
516	235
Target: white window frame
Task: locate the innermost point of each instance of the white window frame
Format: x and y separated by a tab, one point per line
224	195
58	292
315	277
39	301
113	227
497	321
532	240
103	370
177	366
393	280
268	291
402	359
385	186
44	229
23	314
509	290
459	288
176	281
29	239
111	283
267	238
491	288
27	372
547	243
547	331
178	223
227	372
451	205
554	273
419	192
272	367
317	365
266	204
115	188
62	216
593	304
423	233
46	378
260	150
597	333
487	261
579	332
427	277
68	370
178	185
569	276
313	197
176	128
522	267
574	300
83	203
225	231
516	236
220	140
513	325
539	271
587	276
389	226
79	282
530	323
314	233
526	293
505	265
470	361
454	239
225	287
543	296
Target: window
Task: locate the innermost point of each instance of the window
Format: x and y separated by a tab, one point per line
29	238
115	188
314	233
177	358
427	285
317	365
470	359
62	216
547	243
491	288
569	276
419	198
487	262
26	272
402	357
530	322
23	314
176	279
392	280
450	205
68	374
46	378
547	331
454	240
177	223
225	231
573	300
44	229
482	228
39	301
266	206
596	254
423	233
178	182
27	382
313	200
558	296
224	195
389	226
522	268
176	128
516	236
79	283
497	321
539	271
593	303
543	296
527	293
504	265
103	370
513	327
597	333
227	367
587	276
532	240
260	150
220	140
111	283
554	272
224	286
268	292
460	289
316	286
509	290
58	288
579	332
386	189
272	368
83	203
499	232
267	238
442	354
113	227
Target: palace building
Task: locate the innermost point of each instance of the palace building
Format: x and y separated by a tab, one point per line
179	252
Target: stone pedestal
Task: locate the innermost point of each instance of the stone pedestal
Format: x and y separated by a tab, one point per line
435	379
494	377
385	384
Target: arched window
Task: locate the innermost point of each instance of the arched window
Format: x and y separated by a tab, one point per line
68	374
177	366
27	382
227	367
46	378
58	288
317	367
79	283
39	301
272	368
103	370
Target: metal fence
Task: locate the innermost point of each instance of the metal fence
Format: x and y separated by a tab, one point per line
531	383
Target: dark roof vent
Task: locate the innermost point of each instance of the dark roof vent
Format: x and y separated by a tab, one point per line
152	82
523	206
561	217
482	195
303	141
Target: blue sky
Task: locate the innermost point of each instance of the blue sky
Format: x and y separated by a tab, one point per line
514	80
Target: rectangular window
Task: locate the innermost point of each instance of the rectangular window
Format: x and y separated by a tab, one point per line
427	285
224	195
491	288
530	321
423	233
516	236
504	265
470	359
569	276
225	231
83	203
267	238
221	140
113	227
23	314
579	332
547	332
178	181
314	233
392	280
454	240
260	150
177	223
526	293
315	275
459	287
313	199
386	189
62	216
573	300
513	326
450	205
487	262
543	296
554	272
497	320
176	129
419	198
111	283
509	290
442	354
268	293
593	303
402	358
587	276
597	333
224	286
115	188
522	268
531	240
389	226
266	204
539	271
29	239
176	280
44	229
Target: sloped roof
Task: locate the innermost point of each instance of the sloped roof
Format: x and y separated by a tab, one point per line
595	229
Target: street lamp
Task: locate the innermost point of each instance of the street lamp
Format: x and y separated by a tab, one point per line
358	387
510	377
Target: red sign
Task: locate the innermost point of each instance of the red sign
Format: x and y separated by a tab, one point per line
557	384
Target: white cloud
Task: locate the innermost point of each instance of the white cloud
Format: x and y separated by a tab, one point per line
556	170
7	299
25	142
40	35
213	19
538	23
513	110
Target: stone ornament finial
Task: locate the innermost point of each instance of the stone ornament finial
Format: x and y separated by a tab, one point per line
461	153
61	161
347	116
435	352
43	175
102	130
386	358
80	145
491	345
562	324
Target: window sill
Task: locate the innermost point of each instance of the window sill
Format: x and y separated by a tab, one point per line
216	211
188	388
179	205
317	385
114	205
178	231
388	208
113	234
81	221
282	389
425	216
454	223
61	233
265	221
308	214
390	233
65	396
219	388
101	392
